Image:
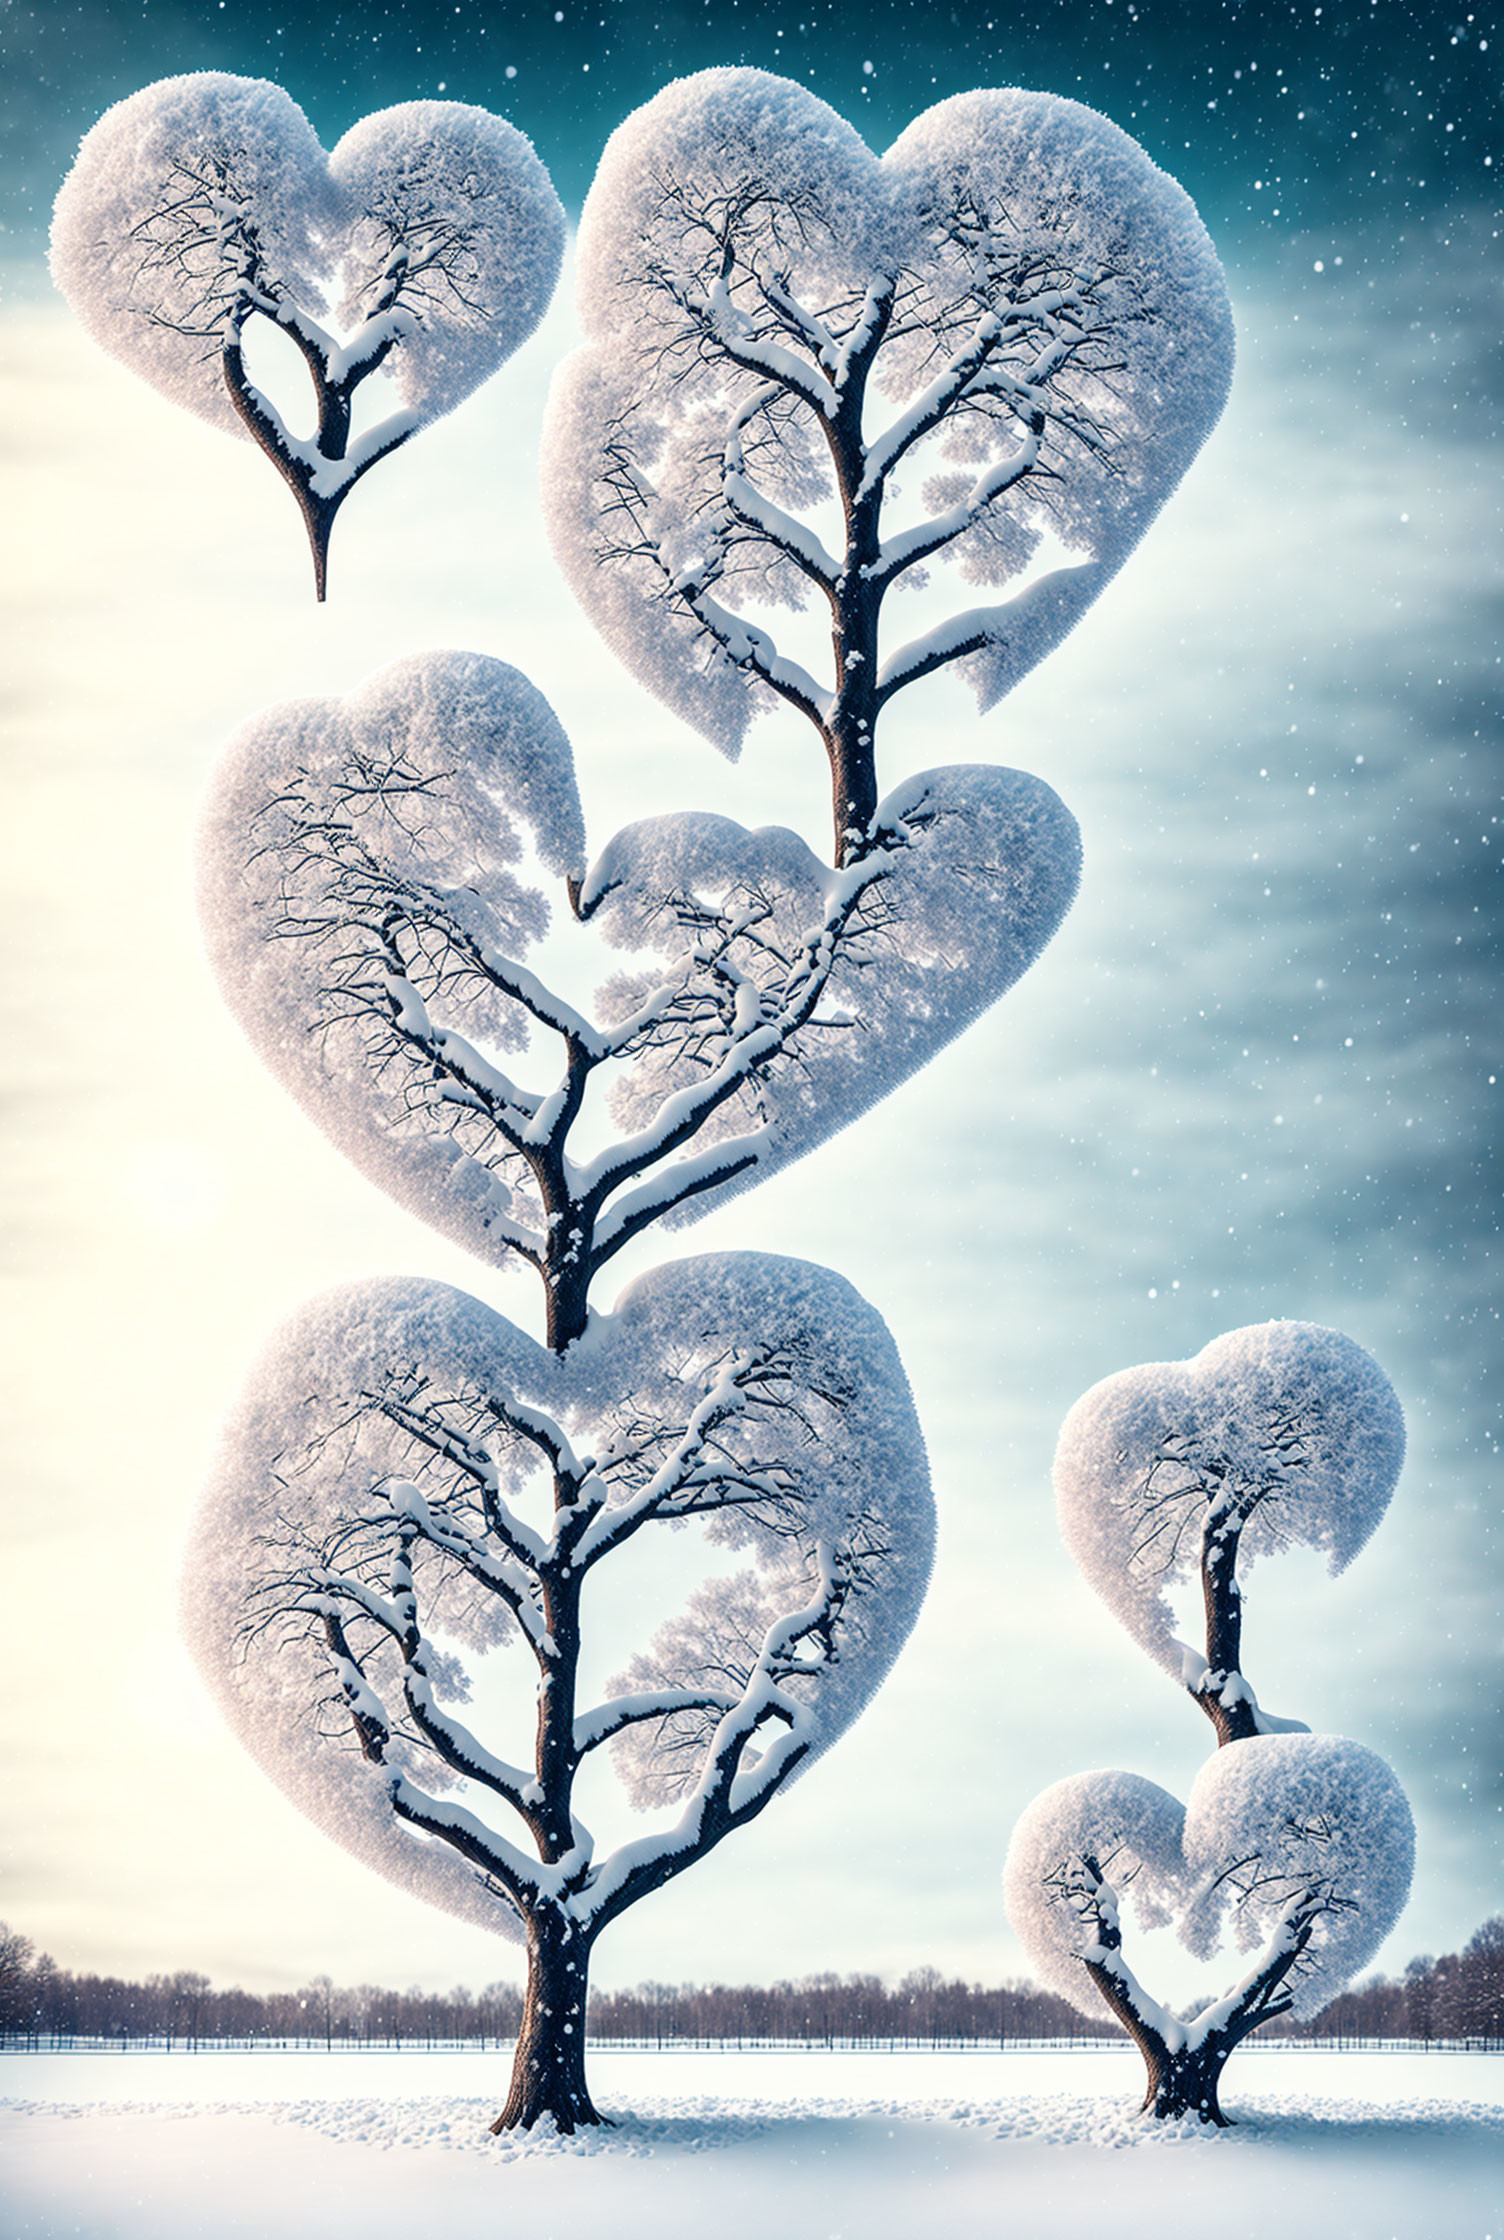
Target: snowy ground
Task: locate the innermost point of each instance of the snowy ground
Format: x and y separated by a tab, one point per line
831	2146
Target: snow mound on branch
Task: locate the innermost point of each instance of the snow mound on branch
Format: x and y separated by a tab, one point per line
737	212
146	283
176	187
1310	1810
1298	1416
975	868
423	787
318	1469
1134	1831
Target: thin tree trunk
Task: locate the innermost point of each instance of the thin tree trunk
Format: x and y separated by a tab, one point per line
1233	1720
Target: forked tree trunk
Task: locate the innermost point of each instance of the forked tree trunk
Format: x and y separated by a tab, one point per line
548	2069
318	511
1183	2079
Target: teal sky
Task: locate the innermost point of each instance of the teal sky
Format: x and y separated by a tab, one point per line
1341	109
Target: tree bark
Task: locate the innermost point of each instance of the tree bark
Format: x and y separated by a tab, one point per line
1233	1720
318	512
1183	2080
1185	2083
566	1295
548	2069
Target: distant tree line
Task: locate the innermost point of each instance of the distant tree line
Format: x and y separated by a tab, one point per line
828	2010
1457	1999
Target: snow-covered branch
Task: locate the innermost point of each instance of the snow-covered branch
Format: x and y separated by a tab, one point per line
608	1720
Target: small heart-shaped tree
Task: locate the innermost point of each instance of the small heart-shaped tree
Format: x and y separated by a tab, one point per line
1301	1844
1280	1434
204	206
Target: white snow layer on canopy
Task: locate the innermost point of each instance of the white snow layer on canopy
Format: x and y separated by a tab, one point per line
1309	1811
1131	1828
420	787
484	231
985	199
1207	1429
148	283
848	1431
974	869
368	928
1269	1820
179	189
298	1489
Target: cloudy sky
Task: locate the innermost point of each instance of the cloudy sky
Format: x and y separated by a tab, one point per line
1255	1074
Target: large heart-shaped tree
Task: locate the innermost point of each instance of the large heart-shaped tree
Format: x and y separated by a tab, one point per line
373	879
412	1482
1014	314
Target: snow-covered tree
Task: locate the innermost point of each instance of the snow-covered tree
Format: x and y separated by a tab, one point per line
368	887
16	1955
374	876
1280	1434
1013	313
425	247
368	882
1283	1434
1301	1845
413	1483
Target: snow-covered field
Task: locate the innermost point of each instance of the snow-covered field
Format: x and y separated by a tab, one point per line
829	2146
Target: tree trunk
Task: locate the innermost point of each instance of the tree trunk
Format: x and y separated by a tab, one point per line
1234	1720
1185	2083
566	1296
548	2069
853	778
